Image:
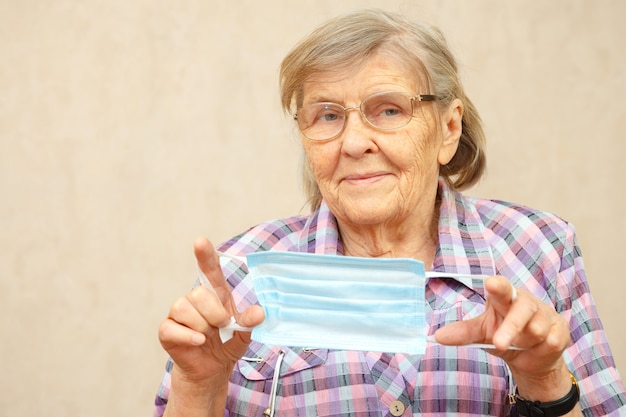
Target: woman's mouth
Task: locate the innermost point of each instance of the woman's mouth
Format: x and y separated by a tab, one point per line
365	178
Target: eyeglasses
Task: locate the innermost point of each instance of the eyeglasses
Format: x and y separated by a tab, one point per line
384	111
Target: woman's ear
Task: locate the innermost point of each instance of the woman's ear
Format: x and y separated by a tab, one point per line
452	126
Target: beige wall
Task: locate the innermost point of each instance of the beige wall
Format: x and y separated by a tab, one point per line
128	128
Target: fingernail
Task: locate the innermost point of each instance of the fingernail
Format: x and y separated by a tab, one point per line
198	339
504	339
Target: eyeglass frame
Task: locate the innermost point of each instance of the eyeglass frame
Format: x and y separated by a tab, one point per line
416	98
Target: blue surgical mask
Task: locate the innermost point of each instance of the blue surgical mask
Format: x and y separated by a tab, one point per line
340	302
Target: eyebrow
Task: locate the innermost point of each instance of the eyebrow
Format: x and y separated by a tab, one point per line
318	98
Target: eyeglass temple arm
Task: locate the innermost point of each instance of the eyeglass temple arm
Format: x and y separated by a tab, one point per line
425	97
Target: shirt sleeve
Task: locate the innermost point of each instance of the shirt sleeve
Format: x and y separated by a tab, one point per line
589	356
163	393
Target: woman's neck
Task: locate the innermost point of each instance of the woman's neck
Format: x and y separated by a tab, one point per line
416	240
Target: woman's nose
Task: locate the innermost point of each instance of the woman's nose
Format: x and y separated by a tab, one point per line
358	137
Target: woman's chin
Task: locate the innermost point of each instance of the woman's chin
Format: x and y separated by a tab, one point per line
367	213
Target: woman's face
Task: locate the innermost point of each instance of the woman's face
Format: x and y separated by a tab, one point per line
371	177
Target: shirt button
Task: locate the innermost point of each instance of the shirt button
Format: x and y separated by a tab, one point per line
397	408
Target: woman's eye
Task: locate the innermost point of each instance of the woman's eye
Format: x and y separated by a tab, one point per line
328	117
387	110
329	114
391	112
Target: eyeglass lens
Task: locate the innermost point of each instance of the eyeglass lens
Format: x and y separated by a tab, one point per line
386	111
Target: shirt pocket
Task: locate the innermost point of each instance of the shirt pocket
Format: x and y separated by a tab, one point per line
449	300
260	361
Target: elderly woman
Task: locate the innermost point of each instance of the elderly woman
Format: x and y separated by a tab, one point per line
390	138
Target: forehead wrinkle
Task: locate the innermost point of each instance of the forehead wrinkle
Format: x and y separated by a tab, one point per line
318	91
337	86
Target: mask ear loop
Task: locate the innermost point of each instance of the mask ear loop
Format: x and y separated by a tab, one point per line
241	259
431	339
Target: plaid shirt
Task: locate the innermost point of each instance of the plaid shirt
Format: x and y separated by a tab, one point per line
537	251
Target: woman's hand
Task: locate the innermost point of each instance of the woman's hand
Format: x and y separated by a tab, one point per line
518	318
190	335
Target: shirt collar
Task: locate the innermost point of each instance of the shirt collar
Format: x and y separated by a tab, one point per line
320	234
462	248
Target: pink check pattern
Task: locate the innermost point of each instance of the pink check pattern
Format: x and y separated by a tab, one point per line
537	251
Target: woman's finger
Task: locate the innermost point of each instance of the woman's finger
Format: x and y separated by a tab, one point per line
252	316
173	334
518	321
206	304
515	325
186	314
500	293
209	263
